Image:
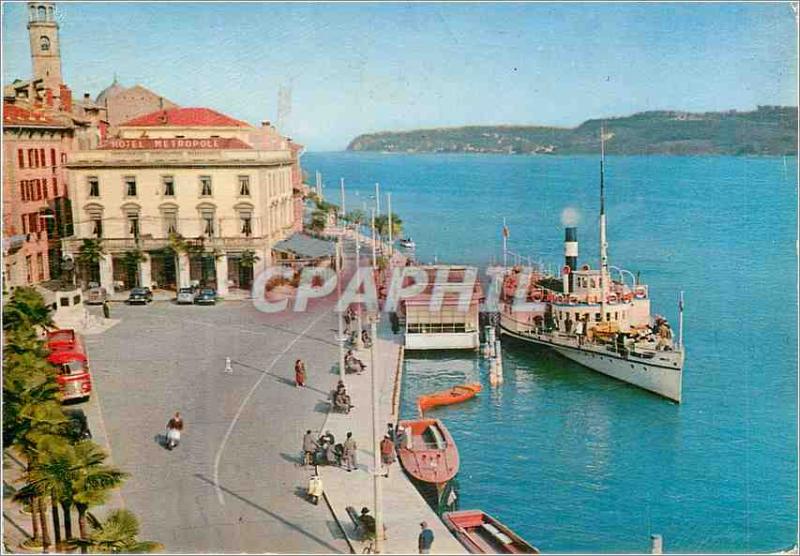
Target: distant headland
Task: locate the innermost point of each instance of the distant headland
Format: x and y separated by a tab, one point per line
768	130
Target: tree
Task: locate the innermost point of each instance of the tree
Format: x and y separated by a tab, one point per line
92	482
131	260
26	310
382	225
319	220
116	534
90	254
247	261
50	477
356	216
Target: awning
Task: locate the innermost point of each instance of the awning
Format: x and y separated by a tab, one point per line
305	246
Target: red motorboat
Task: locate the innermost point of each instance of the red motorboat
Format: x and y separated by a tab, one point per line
428	452
480	533
456	394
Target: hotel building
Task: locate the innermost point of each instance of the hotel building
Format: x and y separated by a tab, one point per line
183	196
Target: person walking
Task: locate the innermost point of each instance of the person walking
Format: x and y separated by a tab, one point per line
425	540
106	309
310	446
387	453
174	428
299	373
350	448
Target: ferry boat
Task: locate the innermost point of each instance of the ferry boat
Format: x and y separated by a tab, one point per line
407	243
591	318
480	533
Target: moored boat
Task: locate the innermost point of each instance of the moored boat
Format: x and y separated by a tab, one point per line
428	453
587	316
481	533
407	243
456	394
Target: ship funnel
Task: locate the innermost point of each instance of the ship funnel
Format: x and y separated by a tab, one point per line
571	251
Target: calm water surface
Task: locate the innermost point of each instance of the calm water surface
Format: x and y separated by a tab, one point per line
575	461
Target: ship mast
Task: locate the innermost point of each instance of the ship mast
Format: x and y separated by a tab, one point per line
603	243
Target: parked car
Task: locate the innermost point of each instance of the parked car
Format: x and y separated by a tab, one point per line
140	295
185	295
96	295
77	426
206	296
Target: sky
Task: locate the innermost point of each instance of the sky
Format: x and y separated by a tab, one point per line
355	68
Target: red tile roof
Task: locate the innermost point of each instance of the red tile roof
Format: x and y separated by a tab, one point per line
188	117
17	115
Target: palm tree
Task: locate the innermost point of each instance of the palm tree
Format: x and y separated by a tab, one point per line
89	256
382	225
26	309
131	260
116	534
356	216
50	477
319	220
93	481
247	261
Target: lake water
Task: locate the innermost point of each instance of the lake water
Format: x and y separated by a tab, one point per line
575	461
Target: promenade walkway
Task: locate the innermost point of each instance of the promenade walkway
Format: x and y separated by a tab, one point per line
403	507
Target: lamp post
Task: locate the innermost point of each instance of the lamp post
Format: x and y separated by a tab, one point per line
376	478
358	343
339	271
374	254
389	208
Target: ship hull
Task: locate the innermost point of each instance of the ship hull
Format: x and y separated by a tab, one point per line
662	380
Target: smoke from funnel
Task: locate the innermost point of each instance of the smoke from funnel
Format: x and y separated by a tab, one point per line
570	217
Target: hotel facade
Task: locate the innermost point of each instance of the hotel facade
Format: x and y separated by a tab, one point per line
183	196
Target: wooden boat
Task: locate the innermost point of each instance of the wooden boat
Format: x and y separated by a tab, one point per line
480	533
428	453
456	394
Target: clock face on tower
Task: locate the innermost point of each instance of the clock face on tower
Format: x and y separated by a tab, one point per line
44	43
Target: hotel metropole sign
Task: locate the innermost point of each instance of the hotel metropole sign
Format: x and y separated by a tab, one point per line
174	144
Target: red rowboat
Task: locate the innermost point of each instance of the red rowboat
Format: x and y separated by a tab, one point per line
456	394
480	533
428	453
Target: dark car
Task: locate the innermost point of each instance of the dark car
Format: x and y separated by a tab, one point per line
206	296
141	296
77	426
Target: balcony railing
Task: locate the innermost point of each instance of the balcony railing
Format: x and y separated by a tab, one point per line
116	245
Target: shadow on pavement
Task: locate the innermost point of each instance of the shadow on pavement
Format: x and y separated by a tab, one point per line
273	515
278	378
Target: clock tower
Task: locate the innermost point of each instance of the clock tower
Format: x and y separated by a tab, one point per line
45	50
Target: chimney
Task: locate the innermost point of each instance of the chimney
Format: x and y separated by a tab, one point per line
66	98
160	103
571	252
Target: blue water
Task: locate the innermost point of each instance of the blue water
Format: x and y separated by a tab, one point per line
575	461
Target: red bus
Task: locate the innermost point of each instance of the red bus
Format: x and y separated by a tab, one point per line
67	355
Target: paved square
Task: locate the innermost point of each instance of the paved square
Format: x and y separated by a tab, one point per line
164	358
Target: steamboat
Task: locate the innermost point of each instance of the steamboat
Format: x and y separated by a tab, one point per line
594	319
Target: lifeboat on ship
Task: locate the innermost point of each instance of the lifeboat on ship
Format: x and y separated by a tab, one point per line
480	533
428	453
456	394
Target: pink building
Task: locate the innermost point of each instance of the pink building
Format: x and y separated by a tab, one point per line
35	143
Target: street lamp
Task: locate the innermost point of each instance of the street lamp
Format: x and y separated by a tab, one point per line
376	477
339	264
